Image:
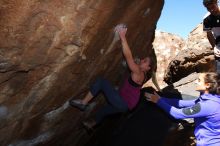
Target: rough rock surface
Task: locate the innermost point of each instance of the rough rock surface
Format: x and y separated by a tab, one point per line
196	57
166	46
51	50
177	58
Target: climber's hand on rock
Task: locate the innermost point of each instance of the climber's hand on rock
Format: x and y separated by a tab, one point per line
122	30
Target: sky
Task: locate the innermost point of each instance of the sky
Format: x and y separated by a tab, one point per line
181	16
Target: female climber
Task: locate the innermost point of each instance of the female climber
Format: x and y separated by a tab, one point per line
127	96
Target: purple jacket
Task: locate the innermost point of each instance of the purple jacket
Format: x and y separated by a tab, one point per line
206	113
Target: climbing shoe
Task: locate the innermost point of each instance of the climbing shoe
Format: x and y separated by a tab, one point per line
78	104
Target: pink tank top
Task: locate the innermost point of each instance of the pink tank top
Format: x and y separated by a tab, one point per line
130	92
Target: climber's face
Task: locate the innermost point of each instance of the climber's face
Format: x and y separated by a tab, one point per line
145	64
202	86
213	8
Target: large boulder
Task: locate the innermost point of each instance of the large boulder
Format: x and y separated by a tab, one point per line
197	57
166	46
51	50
